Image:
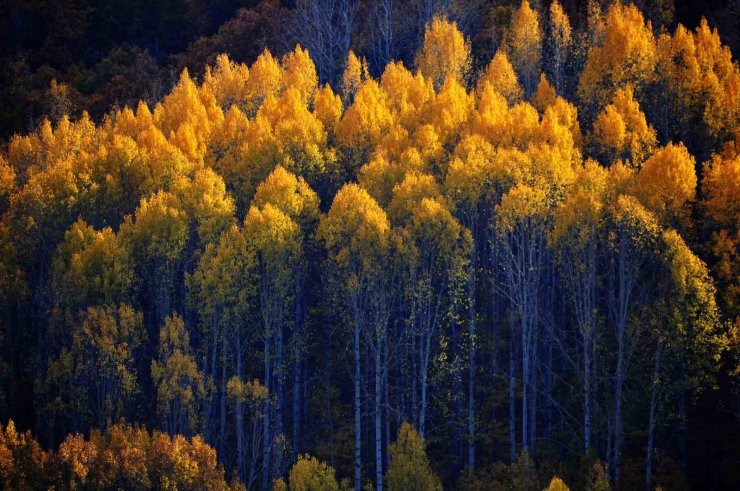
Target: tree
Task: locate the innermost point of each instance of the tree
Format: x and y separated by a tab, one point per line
444	54
356	234
521	217
622	132
93	380
179	381
557	484
720	182
561	40
310	474
502	78
624	55
92	268
409	467
578	227
295	198
667	182
299	73
545	94
431	238
634	231
354	75
223	286
524	45
274	238
156	237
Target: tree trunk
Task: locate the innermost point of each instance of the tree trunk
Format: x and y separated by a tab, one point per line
651	419
266	431
358	420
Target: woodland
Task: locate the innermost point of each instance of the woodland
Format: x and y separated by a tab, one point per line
369	244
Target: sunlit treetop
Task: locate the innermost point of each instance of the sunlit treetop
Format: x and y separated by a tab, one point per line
450	111
409	193
445	53
356	230
562	32
544	95
291	194
327	107
667	181
523	205
299	72
354	75
227	81
383	173
625	55
621	131
408	94
368	120
501	77
580	214
524	45
265	78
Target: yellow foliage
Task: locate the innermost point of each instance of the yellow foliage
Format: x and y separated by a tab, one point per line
310	474
355	74
545	94
450	111
523	203
298	136
667	180
524	44
227	81
206	202
299	73
408	94
580	214
557	484
409	468
327	107
408	194
381	174
561	31
703	82
624	55
622	132
291	194
356	229
444	54
501	77
368	120
265	79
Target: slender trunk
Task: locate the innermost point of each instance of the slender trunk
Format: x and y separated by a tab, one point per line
512	392
586	394
377	417
619	384
240	444
525	386
222	415
296	403
266	436
358	420
651	420
471	371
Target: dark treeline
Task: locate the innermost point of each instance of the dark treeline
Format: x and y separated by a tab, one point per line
508	254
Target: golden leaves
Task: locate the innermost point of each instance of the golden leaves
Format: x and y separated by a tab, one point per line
444	54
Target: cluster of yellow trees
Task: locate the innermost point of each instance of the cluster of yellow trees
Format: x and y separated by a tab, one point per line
183	251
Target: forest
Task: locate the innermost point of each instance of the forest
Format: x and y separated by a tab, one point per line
370	244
